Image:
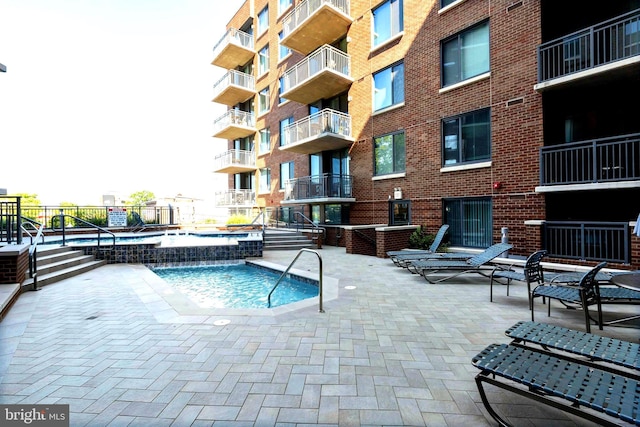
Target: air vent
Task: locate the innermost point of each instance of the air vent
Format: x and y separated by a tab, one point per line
514	101
514	6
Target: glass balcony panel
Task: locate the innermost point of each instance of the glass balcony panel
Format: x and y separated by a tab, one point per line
329	187
238	198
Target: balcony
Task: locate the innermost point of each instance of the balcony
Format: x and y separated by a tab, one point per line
233	88
591	241
314	23
610	45
322	131
234	124
326	188
322	74
235	198
234	49
599	161
235	161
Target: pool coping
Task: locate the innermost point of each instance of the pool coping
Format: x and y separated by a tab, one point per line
170	305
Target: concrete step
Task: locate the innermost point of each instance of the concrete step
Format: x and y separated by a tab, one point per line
63	273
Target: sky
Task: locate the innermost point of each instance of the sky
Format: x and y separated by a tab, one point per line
110	97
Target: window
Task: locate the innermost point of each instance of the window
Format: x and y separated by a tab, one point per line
389	154
470	221
280	90
465	55
399	212
263	20
467	138
284	5
284	139
445	3
286	173
263	61
265	180
388	87
283	51
265	141
263	101
387	21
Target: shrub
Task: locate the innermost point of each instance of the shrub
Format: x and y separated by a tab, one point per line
420	239
238	219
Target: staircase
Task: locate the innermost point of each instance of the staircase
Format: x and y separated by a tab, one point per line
59	263
282	239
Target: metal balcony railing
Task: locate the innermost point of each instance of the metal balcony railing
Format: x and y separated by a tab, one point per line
325	121
324	58
319	187
591	241
235	198
235	157
593	161
234	118
233	36
606	42
234	78
305	9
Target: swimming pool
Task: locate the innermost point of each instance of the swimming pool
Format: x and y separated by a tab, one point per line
237	285
163	240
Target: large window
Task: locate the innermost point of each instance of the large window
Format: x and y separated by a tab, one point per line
263	20
283	136
265	141
465	55
265	180
263	62
263	101
283	51
389	154
387	21
286	173
467	138
470	221
388	87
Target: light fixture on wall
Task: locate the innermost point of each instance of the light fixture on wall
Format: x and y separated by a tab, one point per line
497	185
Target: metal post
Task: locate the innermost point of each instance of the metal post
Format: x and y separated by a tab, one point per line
505	239
61	216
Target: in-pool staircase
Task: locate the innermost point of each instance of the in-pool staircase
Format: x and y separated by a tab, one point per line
59	263
279	239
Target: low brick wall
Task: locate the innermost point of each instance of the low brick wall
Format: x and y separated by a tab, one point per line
393	238
14	263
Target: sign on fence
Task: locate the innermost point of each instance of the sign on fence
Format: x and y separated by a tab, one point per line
117	217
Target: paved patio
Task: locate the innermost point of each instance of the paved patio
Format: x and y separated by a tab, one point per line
122	349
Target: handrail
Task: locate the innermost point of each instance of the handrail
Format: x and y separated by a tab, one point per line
33	253
366	238
38	226
320	230
61	217
320	309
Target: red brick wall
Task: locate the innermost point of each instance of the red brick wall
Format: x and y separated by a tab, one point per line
13	268
392	240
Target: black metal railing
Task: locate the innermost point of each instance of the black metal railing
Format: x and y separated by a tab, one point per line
319	186
598	160
590	241
58	224
99	215
609	41
10	219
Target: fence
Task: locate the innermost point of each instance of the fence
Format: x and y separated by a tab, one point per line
590	241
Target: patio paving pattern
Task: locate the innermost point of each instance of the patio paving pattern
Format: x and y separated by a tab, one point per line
122	349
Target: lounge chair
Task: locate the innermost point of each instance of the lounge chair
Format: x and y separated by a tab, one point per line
531	273
584	294
476	264
437	240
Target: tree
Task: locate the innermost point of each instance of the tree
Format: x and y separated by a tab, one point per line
140	198
28	199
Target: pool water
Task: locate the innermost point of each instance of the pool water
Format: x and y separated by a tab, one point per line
236	285
164	240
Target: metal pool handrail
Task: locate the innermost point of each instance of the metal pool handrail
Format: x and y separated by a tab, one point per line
289	268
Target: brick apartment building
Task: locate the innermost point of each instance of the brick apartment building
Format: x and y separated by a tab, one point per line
481	114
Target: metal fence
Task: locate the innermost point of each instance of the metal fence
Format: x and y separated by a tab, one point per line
99	215
609	41
324	58
234	78
598	160
325	121
590	241
318	186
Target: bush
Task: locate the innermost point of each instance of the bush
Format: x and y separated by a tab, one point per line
238	219
420	239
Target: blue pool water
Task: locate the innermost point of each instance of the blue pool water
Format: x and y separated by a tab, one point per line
236	286
164	240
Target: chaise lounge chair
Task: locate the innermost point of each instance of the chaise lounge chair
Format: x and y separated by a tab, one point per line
479	263
437	240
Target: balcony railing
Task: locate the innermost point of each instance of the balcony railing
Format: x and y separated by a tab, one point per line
324	130
594	161
322	74
319	187
609	41
235	198
591	241
233	49
234	124
315	22
234	87
235	161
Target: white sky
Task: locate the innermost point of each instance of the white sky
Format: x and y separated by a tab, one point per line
110	97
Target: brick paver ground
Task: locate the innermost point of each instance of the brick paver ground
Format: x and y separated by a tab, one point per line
123	349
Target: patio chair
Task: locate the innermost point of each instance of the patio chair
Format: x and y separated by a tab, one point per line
479	263
584	294
437	240
532	273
